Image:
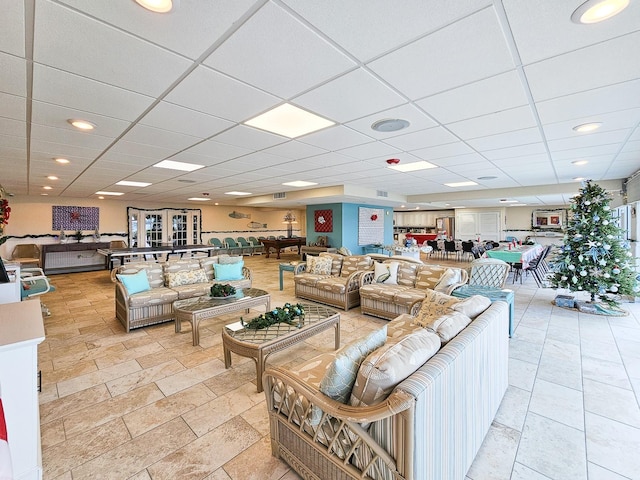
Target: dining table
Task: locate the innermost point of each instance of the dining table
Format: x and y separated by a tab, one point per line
515	253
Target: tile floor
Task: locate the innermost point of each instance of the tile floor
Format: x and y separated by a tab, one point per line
149	405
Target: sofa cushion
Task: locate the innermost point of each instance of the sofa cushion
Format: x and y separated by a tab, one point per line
174	266
448	278
308	279
434	306
228	271
332	284
186	277
154	296
354	264
318	265
225	259
336	262
192	290
449	325
428	276
407	274
153	270
390	364
381	291
386	272
341	374
408	296
135	282
401	325
472	306
313	371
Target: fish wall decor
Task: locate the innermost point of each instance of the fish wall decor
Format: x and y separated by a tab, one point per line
235	214
256	225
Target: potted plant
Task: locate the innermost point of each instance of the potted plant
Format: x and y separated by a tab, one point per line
78	236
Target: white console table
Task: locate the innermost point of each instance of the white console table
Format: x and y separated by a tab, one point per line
21	330
10	292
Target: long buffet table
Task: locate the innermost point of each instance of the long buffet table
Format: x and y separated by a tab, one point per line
517	254
157	252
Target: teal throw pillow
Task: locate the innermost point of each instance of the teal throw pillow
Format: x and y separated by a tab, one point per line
231	271
136	283
338	381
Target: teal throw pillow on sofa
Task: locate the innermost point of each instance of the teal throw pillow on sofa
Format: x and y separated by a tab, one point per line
136	283
231	271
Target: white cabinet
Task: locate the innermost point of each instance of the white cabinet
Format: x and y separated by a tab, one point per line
10	292
478	225
21	330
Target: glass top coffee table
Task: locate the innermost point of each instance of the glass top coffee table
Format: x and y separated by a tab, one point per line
259	344
194	310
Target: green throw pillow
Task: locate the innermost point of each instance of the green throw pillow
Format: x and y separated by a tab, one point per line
231	271
136	283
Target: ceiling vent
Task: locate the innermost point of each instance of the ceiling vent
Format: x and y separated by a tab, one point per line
380	193
279	195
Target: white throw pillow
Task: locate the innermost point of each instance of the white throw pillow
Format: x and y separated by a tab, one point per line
386	273
448	278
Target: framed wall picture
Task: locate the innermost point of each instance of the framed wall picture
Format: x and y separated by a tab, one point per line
323	220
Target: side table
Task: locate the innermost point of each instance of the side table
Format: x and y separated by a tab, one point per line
286	267
492	294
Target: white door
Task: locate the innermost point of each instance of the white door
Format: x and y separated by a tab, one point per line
466	228
489	223
473	226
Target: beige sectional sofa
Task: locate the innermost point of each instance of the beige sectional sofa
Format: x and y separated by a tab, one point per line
336	282
168	282
408	416
388	300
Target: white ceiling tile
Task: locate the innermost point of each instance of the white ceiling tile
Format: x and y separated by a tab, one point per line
599	65
350	96
491	95
543	29
211	92
69	136
70	41
504	140
13	142
424	138
78	93
579	153
272	62
13	75
13	106
459	160
463	52
457	149
592	140
295	150
610	121
499	122
335	138
248	137
184	120
369	150
12	28
159	138
211	152
631	147
142	150
15	128
50	115
417	119
515	152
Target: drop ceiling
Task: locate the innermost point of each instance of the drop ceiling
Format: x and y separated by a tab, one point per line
491	89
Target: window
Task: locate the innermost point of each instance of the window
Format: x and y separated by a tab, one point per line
166	226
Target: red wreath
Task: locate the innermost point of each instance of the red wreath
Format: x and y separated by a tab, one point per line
5	212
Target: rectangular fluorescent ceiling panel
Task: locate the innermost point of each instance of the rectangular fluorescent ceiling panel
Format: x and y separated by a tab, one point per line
127	183
413	166
289	121
110	193
299	183
185	167
461	184
237	193
199	199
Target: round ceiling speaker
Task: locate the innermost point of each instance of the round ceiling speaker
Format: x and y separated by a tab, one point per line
393	161
390	125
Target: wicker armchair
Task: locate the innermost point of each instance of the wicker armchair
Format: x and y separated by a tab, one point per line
26	254
488	272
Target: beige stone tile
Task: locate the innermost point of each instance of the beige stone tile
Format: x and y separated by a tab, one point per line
219	474
48	393
497	454
86	355
256	463
613	445
232	378
58	408
258	417
79	449
190	377
53	353
220	410
143	475
110	409
132	457
52	433
162	356
87	380
196	358
165	409
69	373
206	454
138	378
122	355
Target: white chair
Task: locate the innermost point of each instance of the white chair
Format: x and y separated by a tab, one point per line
488	272
33	283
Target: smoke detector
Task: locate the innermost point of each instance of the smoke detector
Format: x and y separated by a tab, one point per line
390	125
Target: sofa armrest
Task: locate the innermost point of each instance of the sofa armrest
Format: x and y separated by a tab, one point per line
300	268
353	281
367	278
246	273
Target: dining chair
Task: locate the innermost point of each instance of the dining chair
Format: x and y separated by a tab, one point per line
489	272
217	243
247	248
232	245
258	248
26	254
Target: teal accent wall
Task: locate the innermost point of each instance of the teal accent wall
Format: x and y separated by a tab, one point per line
345	225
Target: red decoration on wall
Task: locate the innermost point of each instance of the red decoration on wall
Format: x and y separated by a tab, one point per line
374	217
323	220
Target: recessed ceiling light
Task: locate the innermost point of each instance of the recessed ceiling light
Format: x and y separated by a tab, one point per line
185	167
289	121
578	179
461	184
199	199
81	124
47	187
184	180
594	11
518	205
62	160
52	177
299	183
413	166
580	162
390	125
504	200
127	183
115	194
159	6
461	206
216	203
44	194
101	197
488	177
587	127
237	193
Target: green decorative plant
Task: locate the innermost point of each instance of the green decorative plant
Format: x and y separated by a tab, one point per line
290	314
222	290
78	235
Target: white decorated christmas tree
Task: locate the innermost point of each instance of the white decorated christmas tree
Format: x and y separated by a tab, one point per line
595	256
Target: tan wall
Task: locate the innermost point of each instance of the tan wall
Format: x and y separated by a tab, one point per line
33	216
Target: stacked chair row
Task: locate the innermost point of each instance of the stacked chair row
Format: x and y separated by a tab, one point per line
238	245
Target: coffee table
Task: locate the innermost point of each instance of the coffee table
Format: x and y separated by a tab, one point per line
194	310
259	344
